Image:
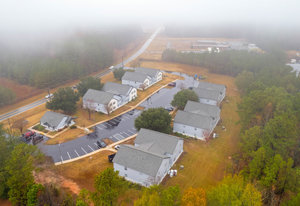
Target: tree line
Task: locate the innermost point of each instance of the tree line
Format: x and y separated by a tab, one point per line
75	57
7	96
228	62
269	115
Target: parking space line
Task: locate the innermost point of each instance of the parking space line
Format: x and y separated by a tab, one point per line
76	152
95	144
100	128
114	121
109	124
126	134
134	129
122	137
61	158
83	150
69	155
130	131
115	136
126	117
91	147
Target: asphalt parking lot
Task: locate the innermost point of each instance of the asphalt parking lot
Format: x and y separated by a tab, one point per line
115	129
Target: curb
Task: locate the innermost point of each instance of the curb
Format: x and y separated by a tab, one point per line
108	148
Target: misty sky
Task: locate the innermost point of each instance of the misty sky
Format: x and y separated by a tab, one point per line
38	16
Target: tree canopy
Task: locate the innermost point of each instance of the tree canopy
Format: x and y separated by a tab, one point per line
157	119
64	99
181	98
108	186
118	73
88	83
234	191
72	58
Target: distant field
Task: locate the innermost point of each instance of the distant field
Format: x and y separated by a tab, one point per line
162	42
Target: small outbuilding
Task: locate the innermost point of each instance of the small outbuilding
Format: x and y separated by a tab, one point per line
53	121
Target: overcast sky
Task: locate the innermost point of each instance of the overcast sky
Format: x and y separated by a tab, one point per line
38	16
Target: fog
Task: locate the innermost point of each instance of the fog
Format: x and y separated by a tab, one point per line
31	20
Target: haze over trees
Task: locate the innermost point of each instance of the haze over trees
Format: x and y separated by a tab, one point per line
88	83
7	96
73	58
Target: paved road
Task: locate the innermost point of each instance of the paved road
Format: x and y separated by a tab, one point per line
42	101
116	129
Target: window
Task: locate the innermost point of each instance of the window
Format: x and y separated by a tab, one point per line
195	128
125	168
125	175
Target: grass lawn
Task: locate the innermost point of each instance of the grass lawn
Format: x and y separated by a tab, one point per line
66	136
205	163
33	116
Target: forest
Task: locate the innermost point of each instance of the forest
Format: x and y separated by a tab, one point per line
228	62
269	115
74	57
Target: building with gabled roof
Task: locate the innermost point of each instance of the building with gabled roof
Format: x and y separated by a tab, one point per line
207	96
100	101
203	109
149	160
126	92
193	125
54	121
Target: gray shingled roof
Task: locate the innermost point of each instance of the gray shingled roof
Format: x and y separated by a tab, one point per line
115	88
138	159
53	119
148	71
135	76
194	120
156	142
97	96
202	109
207	93
208	85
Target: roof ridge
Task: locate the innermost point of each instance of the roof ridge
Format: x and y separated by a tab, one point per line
145	151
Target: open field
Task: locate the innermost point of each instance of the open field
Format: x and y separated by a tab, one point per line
162	42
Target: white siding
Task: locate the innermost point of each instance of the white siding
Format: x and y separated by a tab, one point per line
100	107
132	83
189	131
132	94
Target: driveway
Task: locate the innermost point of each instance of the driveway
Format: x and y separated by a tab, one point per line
116	129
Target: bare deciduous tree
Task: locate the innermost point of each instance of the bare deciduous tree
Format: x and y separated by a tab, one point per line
20	124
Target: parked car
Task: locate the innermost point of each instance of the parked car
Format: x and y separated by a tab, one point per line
117	147
111	157
37	139
169	109
101	144
191	88
172	84
49	96
28	135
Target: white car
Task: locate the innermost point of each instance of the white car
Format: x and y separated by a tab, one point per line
117	147
111	67
49	96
